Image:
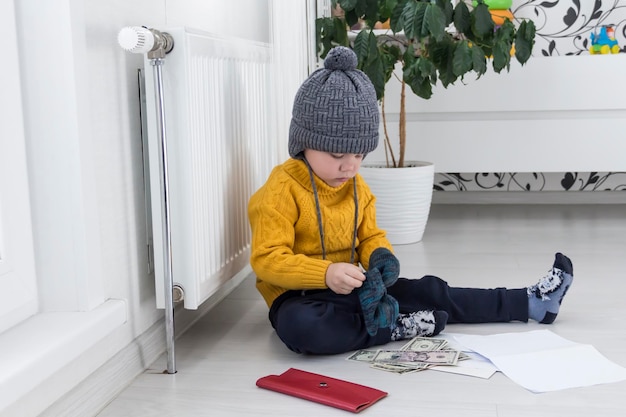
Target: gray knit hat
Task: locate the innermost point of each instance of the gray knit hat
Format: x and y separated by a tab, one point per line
335	109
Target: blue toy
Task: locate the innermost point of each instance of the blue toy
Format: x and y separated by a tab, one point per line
604	42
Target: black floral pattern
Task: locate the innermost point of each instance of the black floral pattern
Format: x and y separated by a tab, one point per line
533	181
593	181
564	27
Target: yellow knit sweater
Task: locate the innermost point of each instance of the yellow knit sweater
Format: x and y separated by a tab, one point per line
286	247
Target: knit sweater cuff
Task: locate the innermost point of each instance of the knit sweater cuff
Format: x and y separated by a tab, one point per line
314	274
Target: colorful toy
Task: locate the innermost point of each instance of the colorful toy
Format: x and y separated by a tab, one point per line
499	16
499	10
496	4
604	42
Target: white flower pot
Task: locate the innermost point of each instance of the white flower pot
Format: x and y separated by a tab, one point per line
403	198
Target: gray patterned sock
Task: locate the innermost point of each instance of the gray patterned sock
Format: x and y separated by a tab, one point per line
425	323
546	296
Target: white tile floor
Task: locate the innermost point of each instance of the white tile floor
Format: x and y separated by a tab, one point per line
221	357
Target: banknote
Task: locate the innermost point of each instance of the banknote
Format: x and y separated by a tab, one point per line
400	368
422	344
463	356
362	355
417	354
435	357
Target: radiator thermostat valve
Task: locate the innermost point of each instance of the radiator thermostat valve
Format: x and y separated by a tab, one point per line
142	40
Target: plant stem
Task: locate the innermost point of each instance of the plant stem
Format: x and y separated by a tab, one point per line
388	148
402	126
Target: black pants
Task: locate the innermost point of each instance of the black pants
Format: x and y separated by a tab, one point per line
322	322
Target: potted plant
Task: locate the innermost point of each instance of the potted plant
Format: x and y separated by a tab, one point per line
421	43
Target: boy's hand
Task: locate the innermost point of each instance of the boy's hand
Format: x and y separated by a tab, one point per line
343	277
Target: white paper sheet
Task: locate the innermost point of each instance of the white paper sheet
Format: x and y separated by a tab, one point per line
477	366
542	361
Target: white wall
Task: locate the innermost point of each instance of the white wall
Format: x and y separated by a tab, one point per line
248	19
85	165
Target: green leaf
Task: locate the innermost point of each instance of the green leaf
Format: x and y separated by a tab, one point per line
503	42
414	21
346	5
352	17
371	12
421	24
418	77
361	47
408	19
462	20
501	56
524	41
479	61
373	53
397	20
409	57
447	9
462	59
389	54
447	76
319	22
325	28
434	22
482	23
442	56
340	32
372	64
374	70
386	8
438	53
361	8
528	30
505	33
427	69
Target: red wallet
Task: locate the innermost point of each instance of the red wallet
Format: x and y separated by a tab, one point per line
322	389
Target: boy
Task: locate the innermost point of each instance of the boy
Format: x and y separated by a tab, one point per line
314	229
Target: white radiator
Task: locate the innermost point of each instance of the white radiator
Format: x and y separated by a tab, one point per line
220	145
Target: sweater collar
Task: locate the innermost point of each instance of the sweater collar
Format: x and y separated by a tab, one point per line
298	170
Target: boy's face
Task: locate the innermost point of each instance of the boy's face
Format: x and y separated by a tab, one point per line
333	168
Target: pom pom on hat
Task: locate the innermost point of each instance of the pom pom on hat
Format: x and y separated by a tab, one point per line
335	109
341	58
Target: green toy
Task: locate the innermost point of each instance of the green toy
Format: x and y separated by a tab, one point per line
496	4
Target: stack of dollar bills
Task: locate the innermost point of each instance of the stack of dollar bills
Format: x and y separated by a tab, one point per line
418	354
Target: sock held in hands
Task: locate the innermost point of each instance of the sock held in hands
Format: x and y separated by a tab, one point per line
546	296
388	265
380	310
